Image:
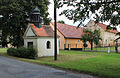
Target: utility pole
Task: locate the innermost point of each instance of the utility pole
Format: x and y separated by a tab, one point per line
55	32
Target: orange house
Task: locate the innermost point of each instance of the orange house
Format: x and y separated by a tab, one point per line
69	36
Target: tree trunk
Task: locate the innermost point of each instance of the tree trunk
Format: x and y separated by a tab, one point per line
116	47
91	44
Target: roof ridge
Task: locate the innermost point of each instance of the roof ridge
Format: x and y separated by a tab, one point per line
67	25
70	31
102	23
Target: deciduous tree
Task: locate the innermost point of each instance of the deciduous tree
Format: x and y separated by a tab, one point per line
91	36
104	10
15	13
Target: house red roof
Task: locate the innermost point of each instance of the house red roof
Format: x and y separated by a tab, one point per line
104	27
70	31
45	30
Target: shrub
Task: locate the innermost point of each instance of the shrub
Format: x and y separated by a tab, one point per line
11	51
23	52
32	53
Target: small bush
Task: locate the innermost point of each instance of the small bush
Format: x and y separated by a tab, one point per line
11	51
22	52
32	53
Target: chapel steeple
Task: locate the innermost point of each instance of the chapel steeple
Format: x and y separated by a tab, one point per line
36	19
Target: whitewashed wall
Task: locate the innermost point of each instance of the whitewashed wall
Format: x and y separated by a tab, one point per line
42	46
109	38
34	40
30	32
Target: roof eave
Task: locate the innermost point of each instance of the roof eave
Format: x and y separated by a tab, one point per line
72	38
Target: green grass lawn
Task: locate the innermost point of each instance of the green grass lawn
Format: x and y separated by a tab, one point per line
96	63
3	50
104	49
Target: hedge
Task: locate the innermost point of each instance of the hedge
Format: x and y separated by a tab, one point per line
22	52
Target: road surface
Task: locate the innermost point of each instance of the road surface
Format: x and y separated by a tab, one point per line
10	68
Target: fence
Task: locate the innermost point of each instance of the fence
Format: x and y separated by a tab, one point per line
95	49
103	49
73	46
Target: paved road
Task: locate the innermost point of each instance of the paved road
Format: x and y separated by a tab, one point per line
10	68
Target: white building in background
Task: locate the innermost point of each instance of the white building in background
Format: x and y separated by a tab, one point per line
41	37
108	36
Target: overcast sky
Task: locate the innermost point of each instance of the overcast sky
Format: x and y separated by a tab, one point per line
62	17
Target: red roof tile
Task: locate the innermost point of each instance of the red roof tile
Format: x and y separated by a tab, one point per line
104	27
70	31
45	30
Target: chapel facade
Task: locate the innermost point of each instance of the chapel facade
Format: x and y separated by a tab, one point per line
40	37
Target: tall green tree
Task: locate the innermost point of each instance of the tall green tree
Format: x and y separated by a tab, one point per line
15	13
104	10
92	37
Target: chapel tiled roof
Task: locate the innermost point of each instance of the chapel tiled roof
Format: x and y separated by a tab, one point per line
104	27
45	30
70	31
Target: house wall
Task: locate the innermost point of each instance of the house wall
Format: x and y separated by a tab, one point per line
61	38
91	25
28	39
30	32
75	43
42	46
109	39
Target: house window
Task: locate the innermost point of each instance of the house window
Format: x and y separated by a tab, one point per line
30	44
78	41
48	44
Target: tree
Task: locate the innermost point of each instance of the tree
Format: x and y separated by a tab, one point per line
116	40
84	39
15	13
118	34
61	21
104	10
91	36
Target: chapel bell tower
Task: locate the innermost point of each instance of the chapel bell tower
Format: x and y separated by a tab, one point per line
35	18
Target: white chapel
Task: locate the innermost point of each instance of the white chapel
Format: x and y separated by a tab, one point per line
40	37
